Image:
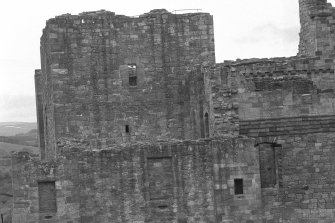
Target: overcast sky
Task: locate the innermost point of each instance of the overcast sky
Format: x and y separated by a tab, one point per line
243	29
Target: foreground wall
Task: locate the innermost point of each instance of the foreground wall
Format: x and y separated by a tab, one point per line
174	182
286	178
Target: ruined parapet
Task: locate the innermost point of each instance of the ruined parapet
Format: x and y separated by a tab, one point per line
248	92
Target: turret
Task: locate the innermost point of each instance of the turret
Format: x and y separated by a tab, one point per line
307	8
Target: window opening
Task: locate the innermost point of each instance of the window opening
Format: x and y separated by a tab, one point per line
206	125
164	206
132	74
238	184
267	165
47	197
127	128
46	119
160	178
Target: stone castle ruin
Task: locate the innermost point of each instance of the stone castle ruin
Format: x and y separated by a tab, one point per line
138	123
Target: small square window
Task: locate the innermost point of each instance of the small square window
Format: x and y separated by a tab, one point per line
238	185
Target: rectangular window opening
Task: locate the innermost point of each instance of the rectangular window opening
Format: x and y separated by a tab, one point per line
132	74
160	179
238	184
47	197
268	164
127	129
132	81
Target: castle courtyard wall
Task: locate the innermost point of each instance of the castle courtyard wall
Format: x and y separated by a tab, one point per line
189	181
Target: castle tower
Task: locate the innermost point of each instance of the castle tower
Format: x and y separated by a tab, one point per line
110	79
307	8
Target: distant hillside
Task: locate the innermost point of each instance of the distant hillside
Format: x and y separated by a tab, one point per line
20	133
14	128
7	148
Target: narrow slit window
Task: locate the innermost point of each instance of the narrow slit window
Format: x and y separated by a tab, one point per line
238	184
206	125
127	129
47	197
132	74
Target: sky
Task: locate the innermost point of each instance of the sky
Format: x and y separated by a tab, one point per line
242	29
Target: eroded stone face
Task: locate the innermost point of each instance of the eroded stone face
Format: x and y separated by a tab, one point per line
112	86
114	79
168	182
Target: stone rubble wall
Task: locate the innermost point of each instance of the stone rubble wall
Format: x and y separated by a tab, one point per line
186	181
269	91
304	192
308	32
83	93
287	103
85	61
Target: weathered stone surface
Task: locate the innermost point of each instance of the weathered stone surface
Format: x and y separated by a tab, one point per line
167	182
112	87
86	59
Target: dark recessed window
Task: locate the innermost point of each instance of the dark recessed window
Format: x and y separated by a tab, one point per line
267	165
238	184
206	125
127	129
47	197
132	74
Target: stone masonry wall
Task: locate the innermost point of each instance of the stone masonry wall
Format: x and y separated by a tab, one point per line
317	30
308	32
87	58
237	161
39	112
44	87
168	182
108	81
304	188
287	104
270	91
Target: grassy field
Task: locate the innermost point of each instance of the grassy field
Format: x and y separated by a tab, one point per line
7	148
